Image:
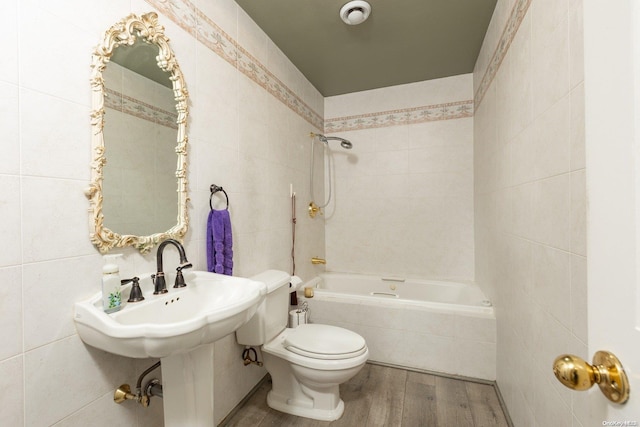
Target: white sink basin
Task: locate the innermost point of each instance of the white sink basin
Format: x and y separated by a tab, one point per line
208	308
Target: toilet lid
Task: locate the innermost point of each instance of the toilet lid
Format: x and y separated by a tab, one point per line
324	342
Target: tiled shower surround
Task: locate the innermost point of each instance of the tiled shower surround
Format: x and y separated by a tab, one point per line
506	185
530	210
403	196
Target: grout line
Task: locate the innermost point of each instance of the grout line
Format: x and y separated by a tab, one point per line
18	19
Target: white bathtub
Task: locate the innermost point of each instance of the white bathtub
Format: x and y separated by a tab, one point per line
432	325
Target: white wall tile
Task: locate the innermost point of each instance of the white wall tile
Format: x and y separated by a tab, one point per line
87	15
579	213
519	91
11	227
522	209
403	180
550	54
51	229
552	211
475	359
48	149
552	141
48	315
217	94
11	325
224	13
552	281
9	33
70	82
539	211
579	318
251	37
86	373
103	413
576	42
577	128
12	392
9	123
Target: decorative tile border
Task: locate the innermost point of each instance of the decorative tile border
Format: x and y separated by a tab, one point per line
142	110
518	13
407	116
186	15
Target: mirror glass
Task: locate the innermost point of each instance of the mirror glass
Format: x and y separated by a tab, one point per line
139	182
138	195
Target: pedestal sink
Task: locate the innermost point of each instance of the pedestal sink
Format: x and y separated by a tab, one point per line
179	327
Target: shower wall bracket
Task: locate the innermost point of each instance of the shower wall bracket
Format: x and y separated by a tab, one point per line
314	210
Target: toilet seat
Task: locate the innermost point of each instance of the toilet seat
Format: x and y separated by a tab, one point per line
278	348
324	342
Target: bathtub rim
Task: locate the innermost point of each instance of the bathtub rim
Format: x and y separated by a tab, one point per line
401	303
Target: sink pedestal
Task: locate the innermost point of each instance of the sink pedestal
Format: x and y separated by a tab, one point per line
187	387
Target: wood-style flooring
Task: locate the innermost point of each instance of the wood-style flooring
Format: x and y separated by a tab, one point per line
386	396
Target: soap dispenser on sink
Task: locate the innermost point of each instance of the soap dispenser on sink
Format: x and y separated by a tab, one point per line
111	295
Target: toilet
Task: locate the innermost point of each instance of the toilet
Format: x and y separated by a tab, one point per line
307	363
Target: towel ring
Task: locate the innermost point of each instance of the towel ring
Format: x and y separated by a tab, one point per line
214	189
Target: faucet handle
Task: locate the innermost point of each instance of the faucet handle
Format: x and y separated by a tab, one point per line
180	283
136	293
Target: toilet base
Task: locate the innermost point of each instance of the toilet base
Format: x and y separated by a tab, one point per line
300	409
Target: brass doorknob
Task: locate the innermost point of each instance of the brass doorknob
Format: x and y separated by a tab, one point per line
606	371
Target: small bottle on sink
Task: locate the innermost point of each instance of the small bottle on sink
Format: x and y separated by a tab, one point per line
111	294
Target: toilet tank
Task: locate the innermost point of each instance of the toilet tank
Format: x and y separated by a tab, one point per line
273	313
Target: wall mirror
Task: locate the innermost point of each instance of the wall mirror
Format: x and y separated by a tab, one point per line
138	192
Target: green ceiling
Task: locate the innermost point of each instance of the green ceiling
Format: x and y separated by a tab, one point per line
403	41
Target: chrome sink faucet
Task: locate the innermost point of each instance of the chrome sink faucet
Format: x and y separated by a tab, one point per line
160	285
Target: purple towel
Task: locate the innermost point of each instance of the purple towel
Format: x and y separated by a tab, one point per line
219	243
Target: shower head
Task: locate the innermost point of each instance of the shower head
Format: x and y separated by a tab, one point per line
345	143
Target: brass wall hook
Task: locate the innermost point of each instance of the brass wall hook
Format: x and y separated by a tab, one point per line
606	371
314	210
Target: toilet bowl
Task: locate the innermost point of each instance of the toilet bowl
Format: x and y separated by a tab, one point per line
307	364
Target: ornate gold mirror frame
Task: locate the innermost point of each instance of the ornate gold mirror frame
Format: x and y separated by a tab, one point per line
125	32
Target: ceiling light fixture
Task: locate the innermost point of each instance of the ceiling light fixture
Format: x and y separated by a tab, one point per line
355	12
